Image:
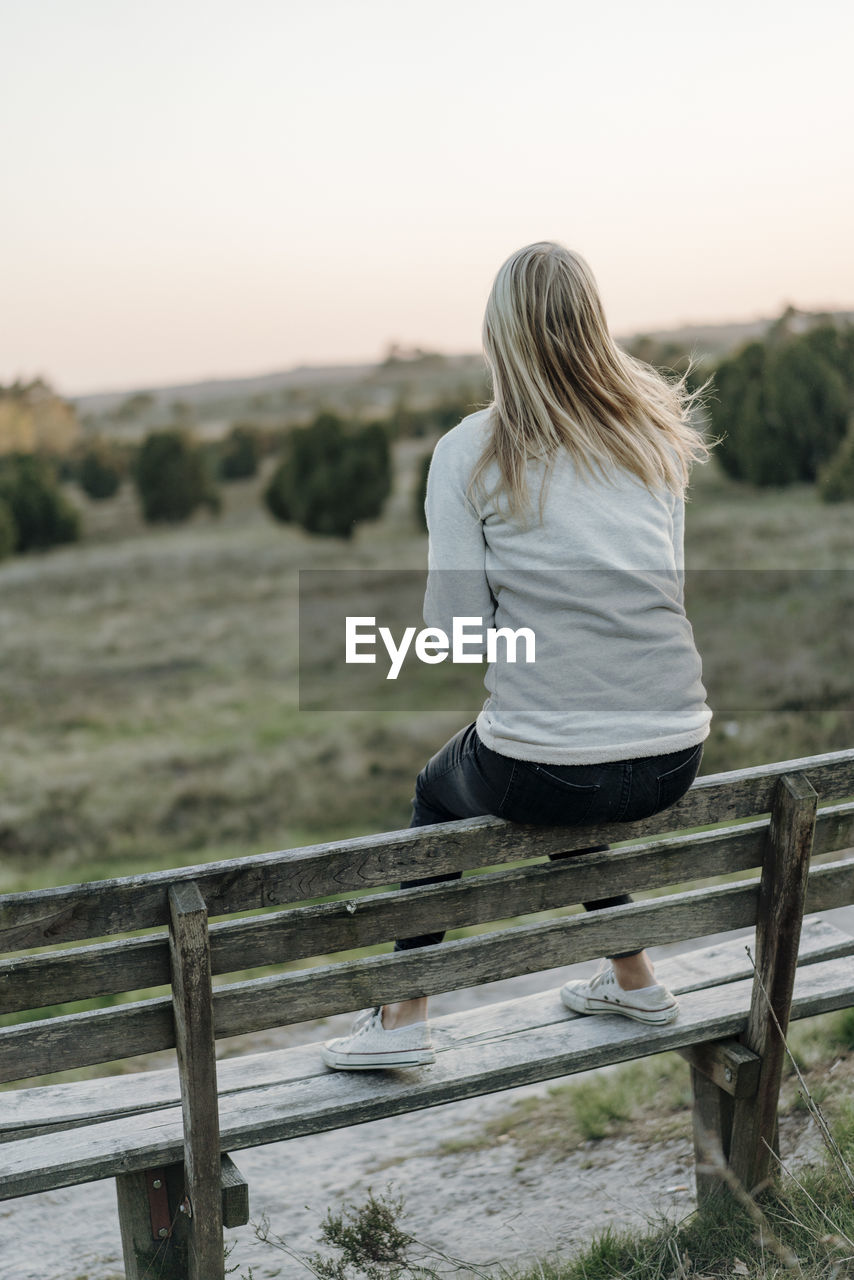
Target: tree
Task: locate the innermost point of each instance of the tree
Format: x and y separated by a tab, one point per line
41	514
8	531
783	405
135	406
172	477
331	478
99	472
836	480
239	458
421	492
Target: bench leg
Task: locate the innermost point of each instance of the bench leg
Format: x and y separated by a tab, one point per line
712	1124
146	1254
778	929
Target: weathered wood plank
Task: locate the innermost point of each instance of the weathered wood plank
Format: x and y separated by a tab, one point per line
145	1256
133	964
235	1195
46	1107
319	1100
781	908
168	1259
70	913
81	1039
34	1048
835	889
193	1011
489	957
59	1043
727	1064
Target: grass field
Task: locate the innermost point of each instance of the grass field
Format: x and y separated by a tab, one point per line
148	679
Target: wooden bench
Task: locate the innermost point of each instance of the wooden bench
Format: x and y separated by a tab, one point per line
162	1134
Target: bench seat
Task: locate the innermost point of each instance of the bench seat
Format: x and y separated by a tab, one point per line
60	1135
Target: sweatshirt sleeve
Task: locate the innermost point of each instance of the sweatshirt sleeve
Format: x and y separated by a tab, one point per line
457	585
679	544
679	532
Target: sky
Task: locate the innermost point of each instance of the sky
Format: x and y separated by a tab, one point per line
201	188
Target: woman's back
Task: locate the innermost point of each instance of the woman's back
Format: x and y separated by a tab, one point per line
595	571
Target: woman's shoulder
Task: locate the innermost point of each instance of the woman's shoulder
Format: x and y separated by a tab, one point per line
465	442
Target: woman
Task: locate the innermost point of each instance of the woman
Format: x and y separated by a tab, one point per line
560	508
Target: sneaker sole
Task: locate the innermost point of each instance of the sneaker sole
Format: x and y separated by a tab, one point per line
377	1061
582	1005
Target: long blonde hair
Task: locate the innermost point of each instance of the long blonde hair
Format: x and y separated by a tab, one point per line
560	381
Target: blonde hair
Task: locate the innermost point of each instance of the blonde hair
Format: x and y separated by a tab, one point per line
560	381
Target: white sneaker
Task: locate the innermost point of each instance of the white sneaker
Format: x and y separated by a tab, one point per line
370	1047
603	994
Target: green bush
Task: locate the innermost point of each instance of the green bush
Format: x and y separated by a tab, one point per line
99	472
8	531
42	515
331	478
836	480
783	405
241	453
420	496
172	477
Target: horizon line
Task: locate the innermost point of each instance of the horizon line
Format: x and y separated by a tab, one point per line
375	361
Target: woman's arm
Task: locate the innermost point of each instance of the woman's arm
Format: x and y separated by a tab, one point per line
457	584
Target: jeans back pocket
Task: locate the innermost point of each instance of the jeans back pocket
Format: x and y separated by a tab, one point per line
675	781
544	797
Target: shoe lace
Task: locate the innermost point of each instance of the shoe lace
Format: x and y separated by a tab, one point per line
365	1019
603	977
372	1023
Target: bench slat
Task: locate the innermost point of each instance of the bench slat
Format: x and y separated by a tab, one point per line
490	957
72	913
30	982
85	1038
559	1045
49	1107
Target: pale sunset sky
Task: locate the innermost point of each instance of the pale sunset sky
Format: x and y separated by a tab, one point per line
195	188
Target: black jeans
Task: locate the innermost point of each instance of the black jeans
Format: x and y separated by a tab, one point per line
466	780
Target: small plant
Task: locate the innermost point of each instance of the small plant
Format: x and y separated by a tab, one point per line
172	478
241	453
99	472
332	477
41	514
370	1243
8	531
421	493
836	480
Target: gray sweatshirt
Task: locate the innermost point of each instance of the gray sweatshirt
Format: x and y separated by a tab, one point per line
599	581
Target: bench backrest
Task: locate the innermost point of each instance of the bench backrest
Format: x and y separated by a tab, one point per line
510	883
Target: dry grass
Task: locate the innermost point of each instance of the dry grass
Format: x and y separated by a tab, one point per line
148	680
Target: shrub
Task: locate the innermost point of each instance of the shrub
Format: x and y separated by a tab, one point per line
420	496
172	477
8	531
99	472
41	513
836	480
240	455
782	405
331	478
